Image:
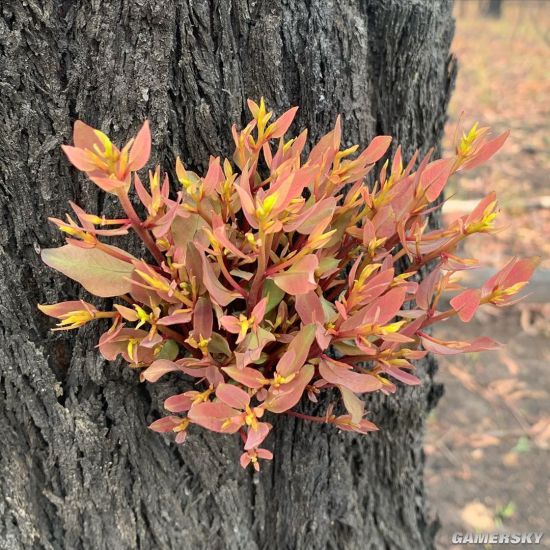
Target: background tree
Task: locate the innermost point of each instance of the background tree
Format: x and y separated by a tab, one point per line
79	468
492	8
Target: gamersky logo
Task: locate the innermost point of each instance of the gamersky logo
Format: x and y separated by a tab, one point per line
497	538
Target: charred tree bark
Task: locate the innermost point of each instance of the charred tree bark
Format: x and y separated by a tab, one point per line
493	8
78	466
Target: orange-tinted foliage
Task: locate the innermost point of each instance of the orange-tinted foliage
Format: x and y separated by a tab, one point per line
273	277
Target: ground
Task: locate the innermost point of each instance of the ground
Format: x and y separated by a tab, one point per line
488	441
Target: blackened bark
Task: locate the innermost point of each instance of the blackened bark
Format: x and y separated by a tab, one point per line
493	8
78	467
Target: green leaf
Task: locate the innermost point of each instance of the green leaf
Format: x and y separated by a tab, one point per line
523	445
326	264
218	344
274	294
98	272
170	350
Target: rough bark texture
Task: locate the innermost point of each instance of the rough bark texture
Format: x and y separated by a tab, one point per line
78	466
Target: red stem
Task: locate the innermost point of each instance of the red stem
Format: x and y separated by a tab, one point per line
318	419
138	226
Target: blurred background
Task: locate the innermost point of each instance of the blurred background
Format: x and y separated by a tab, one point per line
488	441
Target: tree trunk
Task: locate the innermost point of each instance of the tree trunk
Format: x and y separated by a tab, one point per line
79	468
493	8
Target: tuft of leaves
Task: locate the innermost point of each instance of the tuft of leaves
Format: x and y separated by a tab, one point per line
272	278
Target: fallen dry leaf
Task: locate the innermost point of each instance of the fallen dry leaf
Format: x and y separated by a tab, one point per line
478	516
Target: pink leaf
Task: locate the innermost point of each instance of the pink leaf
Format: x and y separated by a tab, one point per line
353	404
98	272
203	318
176	318
281	125
259	310
363	426
221	295
297	351
141	148
376	149
341	374
213	416
232	395
247	376
309	308
178	403
166	424
300	278
245	196
384	308
219	230
287	395
487	150
231	324
256	436
158	369
312	217
63	308
425	291
466	304
127	313
84	136
442	347
79	158
403	376
435	176
213	176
